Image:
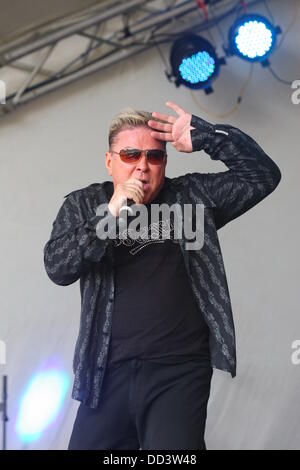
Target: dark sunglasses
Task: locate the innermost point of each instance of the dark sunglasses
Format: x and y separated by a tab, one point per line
154	156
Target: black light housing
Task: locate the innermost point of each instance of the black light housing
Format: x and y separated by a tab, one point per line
194	62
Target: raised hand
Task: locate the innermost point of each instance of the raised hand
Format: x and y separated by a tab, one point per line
175	130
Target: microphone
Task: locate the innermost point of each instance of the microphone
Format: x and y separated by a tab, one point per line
126	208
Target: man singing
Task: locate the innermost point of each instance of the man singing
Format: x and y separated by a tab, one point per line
156	315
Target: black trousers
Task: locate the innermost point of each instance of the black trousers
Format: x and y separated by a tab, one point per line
147	405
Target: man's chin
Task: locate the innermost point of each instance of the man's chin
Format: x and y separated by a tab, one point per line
148	198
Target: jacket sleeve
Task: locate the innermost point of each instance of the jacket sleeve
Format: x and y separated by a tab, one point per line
73	243
252	175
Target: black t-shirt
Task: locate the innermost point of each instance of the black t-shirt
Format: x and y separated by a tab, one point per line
155	314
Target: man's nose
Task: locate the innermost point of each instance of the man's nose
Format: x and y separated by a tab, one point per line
143	164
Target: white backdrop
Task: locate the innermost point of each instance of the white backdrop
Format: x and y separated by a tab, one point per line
57	143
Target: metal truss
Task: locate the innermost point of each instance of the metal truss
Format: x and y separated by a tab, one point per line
101	36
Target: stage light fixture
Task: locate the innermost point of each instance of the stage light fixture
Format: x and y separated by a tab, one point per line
252	37
194	62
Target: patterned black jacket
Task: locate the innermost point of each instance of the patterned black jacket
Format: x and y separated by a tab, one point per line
75	252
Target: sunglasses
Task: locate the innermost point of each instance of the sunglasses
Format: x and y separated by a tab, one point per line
154	156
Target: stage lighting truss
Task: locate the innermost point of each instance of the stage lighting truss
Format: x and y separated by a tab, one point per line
253	38
41	60
194	62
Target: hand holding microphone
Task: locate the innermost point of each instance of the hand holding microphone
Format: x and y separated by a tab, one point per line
125	194
126	208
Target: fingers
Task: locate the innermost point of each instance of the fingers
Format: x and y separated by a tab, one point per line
175	107
160	126
130	189
135	182
164	117
162	136
166	135
134	193
135	187
137	198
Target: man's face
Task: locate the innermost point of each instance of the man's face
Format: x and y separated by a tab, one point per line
152	175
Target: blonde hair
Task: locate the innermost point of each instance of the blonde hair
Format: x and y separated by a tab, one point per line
129	118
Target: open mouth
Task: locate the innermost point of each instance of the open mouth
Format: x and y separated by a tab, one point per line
145	184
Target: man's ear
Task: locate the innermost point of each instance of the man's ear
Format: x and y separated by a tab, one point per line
108	162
